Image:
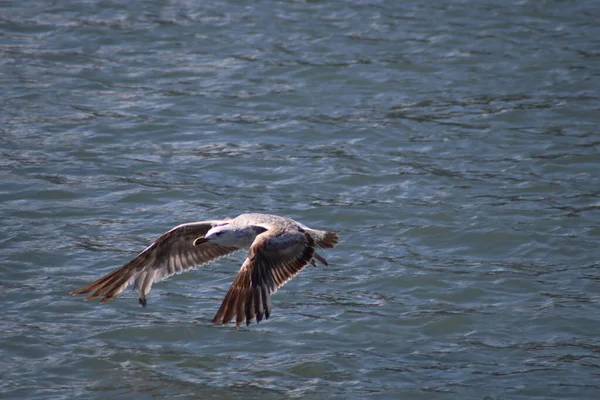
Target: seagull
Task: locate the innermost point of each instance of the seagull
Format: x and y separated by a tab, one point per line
279	248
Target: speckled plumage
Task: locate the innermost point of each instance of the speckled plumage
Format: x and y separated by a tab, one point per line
279	248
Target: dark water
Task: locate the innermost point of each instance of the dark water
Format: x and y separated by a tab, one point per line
454	146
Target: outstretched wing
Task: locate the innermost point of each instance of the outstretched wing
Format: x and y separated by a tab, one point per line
172	253
274	258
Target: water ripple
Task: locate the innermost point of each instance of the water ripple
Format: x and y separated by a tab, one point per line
453	148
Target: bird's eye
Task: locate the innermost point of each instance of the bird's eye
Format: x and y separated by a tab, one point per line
218	233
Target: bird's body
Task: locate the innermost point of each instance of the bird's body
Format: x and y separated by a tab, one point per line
279	248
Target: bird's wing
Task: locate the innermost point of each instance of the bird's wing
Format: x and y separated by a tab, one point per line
172	253
274	258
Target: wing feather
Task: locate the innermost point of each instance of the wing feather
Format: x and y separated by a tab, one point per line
274	258
172	253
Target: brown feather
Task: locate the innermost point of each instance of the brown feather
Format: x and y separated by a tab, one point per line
171	253
274	258
327	241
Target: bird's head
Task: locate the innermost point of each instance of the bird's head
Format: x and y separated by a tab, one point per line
218	234
231	235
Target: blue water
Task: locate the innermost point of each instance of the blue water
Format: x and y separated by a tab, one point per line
453	146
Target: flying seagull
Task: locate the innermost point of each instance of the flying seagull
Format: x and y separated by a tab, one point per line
279	248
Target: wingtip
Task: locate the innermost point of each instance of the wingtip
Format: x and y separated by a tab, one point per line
91	297
81	290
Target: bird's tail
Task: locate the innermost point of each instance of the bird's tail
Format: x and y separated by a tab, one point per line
324	239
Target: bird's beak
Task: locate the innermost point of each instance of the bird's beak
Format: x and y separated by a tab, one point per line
200	240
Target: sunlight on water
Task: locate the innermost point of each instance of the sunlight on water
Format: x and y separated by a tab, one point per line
452	146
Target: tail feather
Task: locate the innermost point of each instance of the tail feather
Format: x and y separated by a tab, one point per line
326	240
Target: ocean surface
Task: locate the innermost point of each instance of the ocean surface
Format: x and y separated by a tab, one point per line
454	146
